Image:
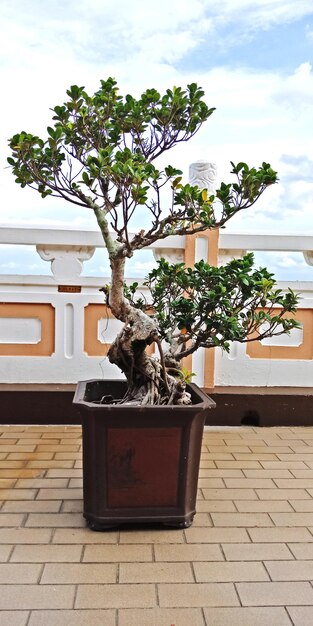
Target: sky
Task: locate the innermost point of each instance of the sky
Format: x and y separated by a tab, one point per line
253	58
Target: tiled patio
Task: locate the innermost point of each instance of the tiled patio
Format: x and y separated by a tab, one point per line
246	561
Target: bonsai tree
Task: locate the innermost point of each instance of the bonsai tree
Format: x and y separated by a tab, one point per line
101	153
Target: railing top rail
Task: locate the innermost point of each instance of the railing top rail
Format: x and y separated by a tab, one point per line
21	235
265	241
67	237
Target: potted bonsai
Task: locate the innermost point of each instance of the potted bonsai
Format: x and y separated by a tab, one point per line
142	436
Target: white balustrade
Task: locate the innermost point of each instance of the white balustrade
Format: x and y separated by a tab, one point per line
70	295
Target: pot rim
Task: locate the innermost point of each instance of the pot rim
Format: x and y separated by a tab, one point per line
205	401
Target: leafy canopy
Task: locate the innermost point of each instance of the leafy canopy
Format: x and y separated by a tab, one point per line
208	306
101	153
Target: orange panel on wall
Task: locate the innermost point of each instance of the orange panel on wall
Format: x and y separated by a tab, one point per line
93	313
45	313
92	345
257	350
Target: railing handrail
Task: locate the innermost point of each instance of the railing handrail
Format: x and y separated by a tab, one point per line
24	235
265	241
27	236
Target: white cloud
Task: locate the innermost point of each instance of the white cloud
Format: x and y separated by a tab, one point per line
11	265
262	13
289	266
101	32
98	31
296	90
288	261
143	266
309	33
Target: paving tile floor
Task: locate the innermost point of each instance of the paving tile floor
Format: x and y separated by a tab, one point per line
246	561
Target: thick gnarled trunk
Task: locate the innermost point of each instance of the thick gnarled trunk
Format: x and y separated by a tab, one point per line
128	353
148	381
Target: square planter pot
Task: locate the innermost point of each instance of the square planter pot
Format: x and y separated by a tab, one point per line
140	464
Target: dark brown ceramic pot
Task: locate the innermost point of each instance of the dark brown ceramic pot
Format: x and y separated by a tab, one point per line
140	464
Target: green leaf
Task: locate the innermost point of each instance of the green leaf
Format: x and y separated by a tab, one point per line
86	178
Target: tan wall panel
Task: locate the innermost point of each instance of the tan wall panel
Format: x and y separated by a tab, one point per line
94	313
45	313
190	250
256	350
209	363
212	236
92	345
187	363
